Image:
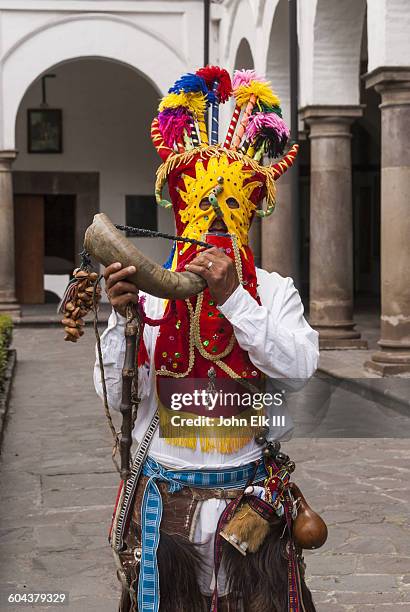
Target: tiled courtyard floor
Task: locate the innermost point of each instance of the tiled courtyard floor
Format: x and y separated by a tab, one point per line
58	486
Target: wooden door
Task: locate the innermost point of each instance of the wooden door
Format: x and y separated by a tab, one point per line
29	248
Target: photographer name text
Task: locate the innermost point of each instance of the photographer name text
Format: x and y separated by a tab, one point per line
257	420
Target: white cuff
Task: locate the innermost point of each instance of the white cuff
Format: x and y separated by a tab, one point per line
239	303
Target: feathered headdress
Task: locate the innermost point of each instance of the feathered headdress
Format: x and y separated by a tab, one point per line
180	134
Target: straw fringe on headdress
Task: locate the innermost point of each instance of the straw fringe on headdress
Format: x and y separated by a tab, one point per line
181	137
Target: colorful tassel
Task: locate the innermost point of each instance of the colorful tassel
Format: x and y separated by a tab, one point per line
244	77
219	86
194	102
249	94
193	86
261	107
271	129
248	89
210	74
240	79
189	83
172	122
260	89
251	89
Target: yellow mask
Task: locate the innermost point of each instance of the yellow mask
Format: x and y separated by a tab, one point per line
234	200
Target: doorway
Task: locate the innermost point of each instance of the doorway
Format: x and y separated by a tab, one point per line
44	245
29	248
52	212
59	233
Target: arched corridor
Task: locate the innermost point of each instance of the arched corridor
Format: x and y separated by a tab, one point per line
107	163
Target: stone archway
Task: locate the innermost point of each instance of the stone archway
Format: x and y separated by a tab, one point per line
83	36
107	108
74	38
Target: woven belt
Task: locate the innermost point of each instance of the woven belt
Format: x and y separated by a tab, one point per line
203	495
200	494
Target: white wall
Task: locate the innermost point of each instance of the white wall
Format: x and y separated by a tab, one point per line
162	39
388	33
107	112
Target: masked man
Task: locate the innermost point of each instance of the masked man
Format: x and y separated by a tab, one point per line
245	328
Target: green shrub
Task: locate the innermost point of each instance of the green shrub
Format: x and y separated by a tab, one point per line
6	331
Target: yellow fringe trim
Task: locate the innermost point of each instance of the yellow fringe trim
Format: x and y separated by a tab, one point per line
209	438
178	159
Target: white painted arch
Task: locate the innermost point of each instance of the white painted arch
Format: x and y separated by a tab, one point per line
240	24
330	35
277	54
244	57
83	36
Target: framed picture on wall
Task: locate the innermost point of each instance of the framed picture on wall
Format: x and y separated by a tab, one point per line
44	130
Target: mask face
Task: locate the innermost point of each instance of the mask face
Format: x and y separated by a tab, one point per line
235	206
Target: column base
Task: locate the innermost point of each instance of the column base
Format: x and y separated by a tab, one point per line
11	308
336	344
388	363
339	337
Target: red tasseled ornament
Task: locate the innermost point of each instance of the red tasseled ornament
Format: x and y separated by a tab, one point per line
214	73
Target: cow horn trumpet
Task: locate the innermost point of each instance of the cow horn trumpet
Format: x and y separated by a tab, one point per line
107	245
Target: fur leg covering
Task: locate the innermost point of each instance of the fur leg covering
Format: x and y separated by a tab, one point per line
260	579
179	563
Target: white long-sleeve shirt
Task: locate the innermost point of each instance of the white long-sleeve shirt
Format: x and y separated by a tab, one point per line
278	339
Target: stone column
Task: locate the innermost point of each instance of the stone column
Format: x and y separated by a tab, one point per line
8	302
279	233
331	226
393	84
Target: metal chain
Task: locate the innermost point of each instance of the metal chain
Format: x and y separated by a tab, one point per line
145	233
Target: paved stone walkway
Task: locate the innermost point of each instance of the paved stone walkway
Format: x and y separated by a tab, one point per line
58	483
58	487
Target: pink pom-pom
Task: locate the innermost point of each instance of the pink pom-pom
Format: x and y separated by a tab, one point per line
172	122
244	77
272	121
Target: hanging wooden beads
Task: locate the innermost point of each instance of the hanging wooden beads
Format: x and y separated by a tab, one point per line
80	302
